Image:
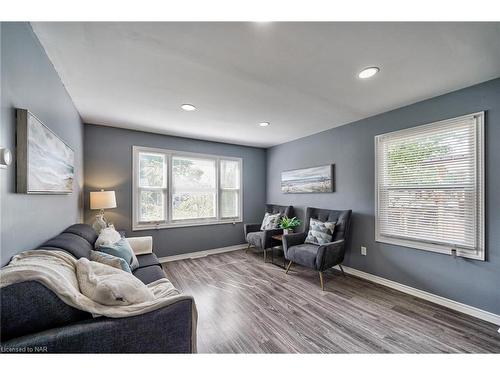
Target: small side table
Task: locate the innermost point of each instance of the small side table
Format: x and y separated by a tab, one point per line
278	237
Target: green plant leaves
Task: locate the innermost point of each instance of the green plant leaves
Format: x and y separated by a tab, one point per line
289	223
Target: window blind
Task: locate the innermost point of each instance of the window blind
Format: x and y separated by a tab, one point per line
429	186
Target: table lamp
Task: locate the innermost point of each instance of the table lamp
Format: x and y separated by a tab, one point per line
101	200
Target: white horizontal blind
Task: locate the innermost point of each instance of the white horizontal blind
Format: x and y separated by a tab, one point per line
429	182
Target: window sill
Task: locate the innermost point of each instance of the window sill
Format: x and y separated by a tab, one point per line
435	248
139	227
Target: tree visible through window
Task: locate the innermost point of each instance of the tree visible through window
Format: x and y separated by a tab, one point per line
193	188
429	186
200	188
152	185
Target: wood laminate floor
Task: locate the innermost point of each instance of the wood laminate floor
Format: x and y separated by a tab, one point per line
246	306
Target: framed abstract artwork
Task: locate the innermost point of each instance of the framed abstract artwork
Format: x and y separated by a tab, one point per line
45	164
308	180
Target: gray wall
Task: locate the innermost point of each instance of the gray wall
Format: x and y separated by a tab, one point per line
28	80
108	165
351	148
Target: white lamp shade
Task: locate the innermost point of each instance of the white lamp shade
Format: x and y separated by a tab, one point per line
100	200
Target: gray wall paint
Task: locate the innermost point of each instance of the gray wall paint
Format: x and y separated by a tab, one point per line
351	148
108	165
29	81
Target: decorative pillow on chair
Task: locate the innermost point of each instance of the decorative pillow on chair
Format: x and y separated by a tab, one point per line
110	260
271	221
320	232
121	249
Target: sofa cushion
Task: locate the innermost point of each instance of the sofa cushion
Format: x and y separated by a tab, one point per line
147	260
30	307
110	286
83	230
110	260
74	244
304	254
121	249
149	274
255	238
107	236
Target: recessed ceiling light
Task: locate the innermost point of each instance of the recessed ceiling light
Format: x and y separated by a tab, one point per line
265	123
188	107
368	72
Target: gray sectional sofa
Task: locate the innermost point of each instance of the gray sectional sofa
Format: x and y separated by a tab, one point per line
34	319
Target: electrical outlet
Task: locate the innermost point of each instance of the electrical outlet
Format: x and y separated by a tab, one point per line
363	250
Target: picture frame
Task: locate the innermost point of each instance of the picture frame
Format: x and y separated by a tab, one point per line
45	163
318	179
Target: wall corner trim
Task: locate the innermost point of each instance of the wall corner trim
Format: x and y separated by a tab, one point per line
202	253
451	304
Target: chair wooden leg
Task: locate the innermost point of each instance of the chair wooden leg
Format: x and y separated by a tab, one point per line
248	248
288	267
343	273
321	280
265	255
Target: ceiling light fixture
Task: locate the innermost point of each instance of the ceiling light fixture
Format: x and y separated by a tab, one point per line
188	107
263	124
368	72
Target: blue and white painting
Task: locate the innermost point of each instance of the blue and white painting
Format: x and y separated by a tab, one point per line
50	160
308	180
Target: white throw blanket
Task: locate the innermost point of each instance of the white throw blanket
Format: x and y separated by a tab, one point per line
64	275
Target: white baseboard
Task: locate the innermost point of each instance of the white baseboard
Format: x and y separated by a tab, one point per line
454	305
203	253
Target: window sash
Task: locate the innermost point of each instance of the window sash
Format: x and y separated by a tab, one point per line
165	212
169	191
439	215
238	212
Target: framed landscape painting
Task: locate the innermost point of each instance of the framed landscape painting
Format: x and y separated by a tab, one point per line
308	180
45	164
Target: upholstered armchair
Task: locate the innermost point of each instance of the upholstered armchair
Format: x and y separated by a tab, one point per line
262	239
319	257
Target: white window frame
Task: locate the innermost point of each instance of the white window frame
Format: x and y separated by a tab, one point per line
479	253
169	222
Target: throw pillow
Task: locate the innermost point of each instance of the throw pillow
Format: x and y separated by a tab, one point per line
110	260
121	249
320	232
271	221
110	286
107	236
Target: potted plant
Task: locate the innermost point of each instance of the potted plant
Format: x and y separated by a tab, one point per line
289	224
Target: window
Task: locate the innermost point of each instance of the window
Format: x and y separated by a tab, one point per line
152	186
430	187
194	190
173	189
229	188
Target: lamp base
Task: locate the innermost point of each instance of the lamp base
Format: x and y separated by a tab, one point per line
99	223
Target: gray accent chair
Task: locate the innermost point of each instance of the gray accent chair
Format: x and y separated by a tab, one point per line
319	257
263	239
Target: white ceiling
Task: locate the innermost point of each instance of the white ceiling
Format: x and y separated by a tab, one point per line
301	77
